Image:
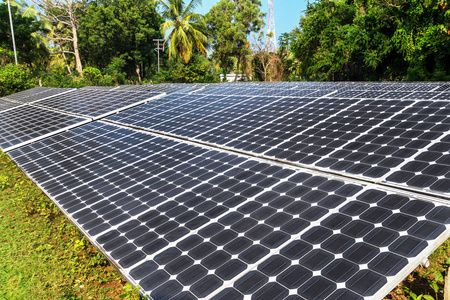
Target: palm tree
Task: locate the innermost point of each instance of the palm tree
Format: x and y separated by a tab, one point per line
187	29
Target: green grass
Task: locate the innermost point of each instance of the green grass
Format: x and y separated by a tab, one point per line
44	256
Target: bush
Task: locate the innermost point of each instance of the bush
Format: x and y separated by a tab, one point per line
199	69
92	74
15	78
417	73
107	80
56	79
114	69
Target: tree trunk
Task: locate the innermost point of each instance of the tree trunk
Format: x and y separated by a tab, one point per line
77	51
138	72
265	68
65	60
237	69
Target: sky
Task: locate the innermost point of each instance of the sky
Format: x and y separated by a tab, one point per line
287	13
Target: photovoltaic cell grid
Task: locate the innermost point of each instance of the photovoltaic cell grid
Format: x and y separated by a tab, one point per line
37	93
154	107
187	222
184	109
26	123
7	104
162	88
347	90
95	103
102	88
379	94
401	141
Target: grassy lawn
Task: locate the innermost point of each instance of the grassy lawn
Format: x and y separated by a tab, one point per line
44	256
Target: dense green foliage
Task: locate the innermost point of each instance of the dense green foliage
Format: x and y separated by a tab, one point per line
14	78
199	69
374	40
122	29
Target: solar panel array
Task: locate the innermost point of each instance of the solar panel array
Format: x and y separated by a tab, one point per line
237	191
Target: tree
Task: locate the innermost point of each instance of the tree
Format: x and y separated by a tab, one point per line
374	40
231	21
187	30
422	37
63	14
28	32
291	65
122	29
266	62
324	43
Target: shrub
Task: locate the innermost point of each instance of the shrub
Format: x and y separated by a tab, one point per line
55	79
114	69
107	80
14	78
92	74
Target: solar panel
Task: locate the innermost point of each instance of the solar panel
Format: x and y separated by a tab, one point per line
295	92
352	94
269	108
102	88
443	87
442	96
193	111
95	103
6	104
285	88
37	93
186	109
142	113
25	124
167	88
185	221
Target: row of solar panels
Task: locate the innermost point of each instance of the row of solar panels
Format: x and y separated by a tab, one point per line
206	211
400	142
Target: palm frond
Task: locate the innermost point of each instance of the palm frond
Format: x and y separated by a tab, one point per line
167	26
186	29
192	6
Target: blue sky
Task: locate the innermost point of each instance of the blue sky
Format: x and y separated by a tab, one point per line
287	13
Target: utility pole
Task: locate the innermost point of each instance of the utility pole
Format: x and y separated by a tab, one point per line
158	47
12	31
